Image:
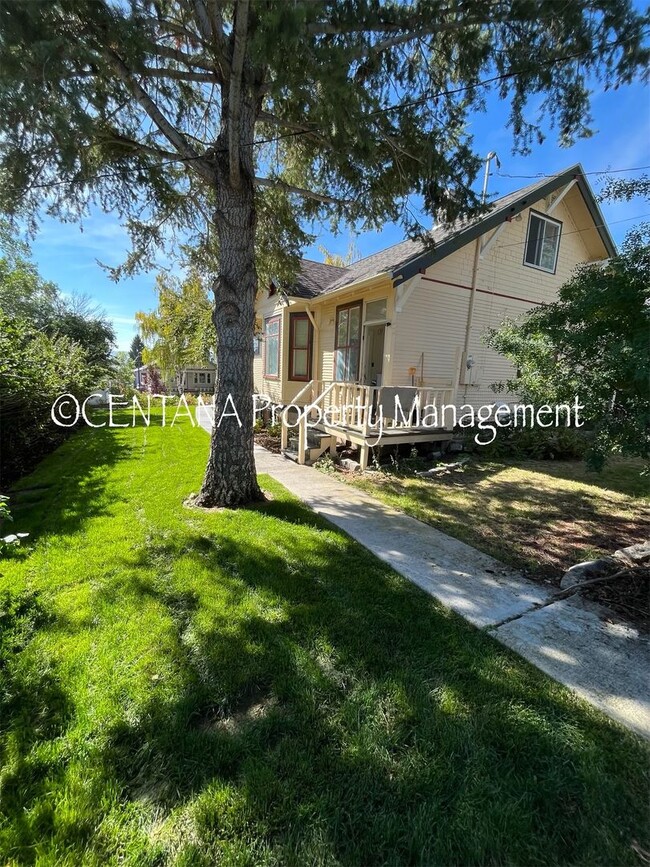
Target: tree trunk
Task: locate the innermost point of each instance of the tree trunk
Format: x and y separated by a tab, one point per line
231	478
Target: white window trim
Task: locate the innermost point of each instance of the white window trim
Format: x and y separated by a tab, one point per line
545	219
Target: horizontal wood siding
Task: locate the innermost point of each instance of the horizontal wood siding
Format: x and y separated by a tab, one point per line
267	307
435	315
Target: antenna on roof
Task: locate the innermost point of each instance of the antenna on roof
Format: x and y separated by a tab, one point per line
488	159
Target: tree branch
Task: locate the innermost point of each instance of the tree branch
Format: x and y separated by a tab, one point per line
275	183
203	20
166	128
135	145
234	97
211	29
191	60
179	74
299	128
216	18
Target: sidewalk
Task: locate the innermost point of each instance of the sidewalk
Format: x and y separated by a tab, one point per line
606	664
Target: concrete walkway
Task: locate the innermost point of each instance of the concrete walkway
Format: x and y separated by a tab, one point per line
607	664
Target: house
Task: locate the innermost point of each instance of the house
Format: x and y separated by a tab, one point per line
148	378
187	380
196	380
411	317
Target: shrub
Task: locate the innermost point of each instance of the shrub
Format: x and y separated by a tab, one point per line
560	444
34	370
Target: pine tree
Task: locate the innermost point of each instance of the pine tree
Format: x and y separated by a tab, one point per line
135	350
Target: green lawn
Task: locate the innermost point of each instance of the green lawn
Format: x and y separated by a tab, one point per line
252	687
542	516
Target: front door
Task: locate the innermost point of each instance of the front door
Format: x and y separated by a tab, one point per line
374	354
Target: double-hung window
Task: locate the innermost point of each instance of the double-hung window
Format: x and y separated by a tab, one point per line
300	347
272	347
347	345
542	242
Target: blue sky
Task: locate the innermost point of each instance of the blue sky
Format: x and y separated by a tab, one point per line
621	121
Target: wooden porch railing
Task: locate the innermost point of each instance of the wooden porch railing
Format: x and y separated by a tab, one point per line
351	406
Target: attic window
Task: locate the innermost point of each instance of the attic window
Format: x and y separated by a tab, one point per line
542	242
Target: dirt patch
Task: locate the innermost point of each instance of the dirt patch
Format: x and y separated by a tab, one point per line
271	443
190	503
540	517
255	705
629	597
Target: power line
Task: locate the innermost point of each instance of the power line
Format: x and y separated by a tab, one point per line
594	172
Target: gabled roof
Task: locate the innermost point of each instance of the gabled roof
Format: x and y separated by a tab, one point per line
313	277
402	261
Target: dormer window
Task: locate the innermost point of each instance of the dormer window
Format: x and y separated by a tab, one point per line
542	242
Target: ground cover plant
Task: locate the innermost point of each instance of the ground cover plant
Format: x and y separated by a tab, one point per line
253	687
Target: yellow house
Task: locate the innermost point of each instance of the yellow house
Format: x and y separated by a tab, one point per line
409	319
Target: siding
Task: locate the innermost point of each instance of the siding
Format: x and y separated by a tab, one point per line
434	318
431	327
265	308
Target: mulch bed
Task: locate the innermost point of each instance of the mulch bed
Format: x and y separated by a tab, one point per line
629	597
272	443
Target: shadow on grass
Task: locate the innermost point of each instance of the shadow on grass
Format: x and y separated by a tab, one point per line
69	486
351	720
320	710
547	530
34	711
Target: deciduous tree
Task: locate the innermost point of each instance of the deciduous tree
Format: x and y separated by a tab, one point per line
594	342
179	333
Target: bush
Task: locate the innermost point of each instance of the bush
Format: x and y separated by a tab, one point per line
34	370
560	444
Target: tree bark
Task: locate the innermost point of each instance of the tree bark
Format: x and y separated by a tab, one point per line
230	478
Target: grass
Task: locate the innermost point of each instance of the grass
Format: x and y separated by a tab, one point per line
253	687
540	516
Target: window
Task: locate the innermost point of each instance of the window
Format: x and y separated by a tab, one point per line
272	347
209	378
542	242
196	379
202	378
376	310
300	343
257	347
347	342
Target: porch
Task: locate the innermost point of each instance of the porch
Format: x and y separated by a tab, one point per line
326	412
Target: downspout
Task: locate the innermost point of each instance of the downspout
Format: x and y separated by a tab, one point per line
472	298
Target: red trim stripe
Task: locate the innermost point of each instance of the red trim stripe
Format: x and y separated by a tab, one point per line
483	291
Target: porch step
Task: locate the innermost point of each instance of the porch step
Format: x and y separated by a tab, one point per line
318	442
314	439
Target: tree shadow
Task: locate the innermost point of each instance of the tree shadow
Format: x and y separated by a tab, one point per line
361	722
320	709
68	487
542	530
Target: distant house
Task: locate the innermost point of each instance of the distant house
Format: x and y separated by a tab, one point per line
412	316
147	378
188	380
196	380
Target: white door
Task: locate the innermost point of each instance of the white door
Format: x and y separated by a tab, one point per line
373	353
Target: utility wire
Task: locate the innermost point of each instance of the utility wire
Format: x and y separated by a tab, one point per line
594	172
